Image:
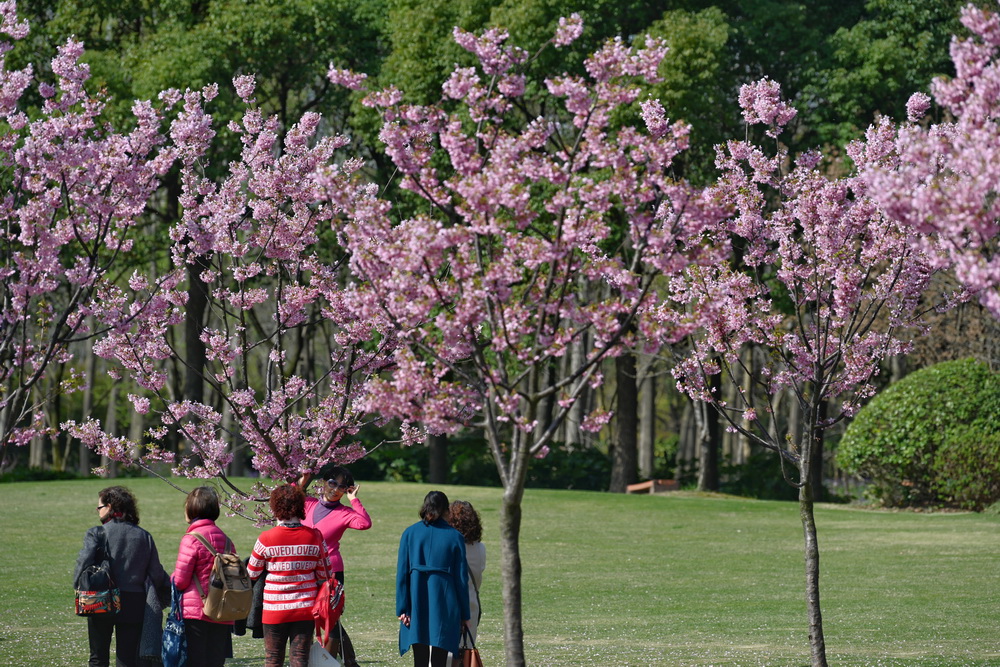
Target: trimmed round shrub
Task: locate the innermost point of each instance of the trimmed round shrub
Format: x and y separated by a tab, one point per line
967	468
930	438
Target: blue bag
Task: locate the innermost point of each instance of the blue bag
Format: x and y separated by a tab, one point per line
174	651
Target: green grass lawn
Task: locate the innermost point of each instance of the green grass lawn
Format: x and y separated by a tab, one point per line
608	580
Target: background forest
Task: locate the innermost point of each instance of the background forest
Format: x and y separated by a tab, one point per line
842	64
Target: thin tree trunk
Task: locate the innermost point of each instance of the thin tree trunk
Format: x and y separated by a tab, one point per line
194	323
546	406
111	428
510	574
816	454
623	461
437	451
90	370
136	427
817	643
711	443
36	452
688	441
574	436
647	418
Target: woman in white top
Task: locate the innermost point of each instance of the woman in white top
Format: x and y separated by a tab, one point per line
465	519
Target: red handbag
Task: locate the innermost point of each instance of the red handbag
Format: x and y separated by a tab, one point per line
328	607
470	656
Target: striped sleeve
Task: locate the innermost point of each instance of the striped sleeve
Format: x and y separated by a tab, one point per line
255	566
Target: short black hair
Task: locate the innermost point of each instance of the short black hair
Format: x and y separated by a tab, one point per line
332	471
435	506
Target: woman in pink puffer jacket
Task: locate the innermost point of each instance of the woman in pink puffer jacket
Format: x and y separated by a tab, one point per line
209	642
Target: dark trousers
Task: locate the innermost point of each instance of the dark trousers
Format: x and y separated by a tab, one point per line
209	644
429	656
298	633
340	642
126	626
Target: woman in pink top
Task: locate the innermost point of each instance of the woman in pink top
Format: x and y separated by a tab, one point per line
209	642
332	518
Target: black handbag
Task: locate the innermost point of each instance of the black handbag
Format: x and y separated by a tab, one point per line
96	592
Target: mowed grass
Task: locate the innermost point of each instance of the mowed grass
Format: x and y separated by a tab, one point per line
676	579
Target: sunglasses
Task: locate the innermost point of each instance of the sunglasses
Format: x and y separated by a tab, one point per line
100	507
332	484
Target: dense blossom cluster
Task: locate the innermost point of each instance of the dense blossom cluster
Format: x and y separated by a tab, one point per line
943	180
488	285
828	284
75	190
252	240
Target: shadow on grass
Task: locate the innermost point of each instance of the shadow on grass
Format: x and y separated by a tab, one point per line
259	662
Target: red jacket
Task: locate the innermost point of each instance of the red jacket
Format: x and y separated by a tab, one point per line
195	560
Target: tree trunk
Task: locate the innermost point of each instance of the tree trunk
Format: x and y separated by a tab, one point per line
194	324
623	460
111	428
437	451
90	366
711	442
36	452
510	575
136	427
571	425
647	418
689	441
816	454
817	644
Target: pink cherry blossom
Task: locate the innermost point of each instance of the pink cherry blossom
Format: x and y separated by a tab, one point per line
570	29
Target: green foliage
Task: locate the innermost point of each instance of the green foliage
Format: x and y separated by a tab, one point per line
665	456
585	469
472	465
697	83
894	50
931	437
36	475
760	477
967	467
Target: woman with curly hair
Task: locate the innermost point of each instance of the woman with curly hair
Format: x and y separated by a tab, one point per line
295	559
133	556
465	519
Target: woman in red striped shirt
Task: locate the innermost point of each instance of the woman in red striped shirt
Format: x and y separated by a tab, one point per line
295	559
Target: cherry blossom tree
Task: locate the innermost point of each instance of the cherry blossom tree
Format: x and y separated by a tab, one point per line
73	191
943	179
826	284
286	359
536	231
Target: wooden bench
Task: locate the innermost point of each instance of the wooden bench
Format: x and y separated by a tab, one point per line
654	486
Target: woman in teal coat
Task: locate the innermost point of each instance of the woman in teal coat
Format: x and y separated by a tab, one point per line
432	591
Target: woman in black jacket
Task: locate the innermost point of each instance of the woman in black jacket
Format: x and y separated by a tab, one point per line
133	559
